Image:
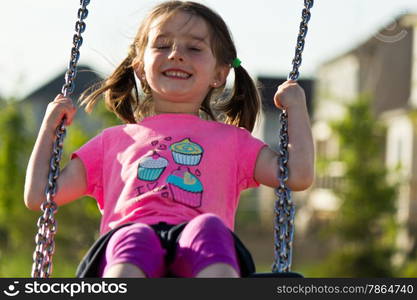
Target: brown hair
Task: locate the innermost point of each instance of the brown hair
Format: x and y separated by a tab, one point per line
121	95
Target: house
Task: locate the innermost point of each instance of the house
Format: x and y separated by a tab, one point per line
38	100
385	66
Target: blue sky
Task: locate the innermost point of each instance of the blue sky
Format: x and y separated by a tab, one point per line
36	35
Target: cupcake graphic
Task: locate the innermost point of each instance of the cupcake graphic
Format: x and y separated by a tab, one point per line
185	187
151	167
186	152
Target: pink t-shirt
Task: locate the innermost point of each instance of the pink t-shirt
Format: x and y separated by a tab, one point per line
169	167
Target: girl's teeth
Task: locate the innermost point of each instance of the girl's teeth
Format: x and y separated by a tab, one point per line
177	74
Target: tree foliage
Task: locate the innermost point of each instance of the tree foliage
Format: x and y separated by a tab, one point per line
15	144
365	225
78	222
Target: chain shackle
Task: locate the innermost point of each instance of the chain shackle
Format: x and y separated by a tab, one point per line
284	208
47	224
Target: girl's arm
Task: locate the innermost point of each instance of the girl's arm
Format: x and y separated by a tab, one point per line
301	147
71	183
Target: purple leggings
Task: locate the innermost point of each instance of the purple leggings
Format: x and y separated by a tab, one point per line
205	240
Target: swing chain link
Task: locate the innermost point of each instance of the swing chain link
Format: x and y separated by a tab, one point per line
47	224
284	206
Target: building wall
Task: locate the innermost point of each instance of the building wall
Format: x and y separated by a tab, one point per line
401	160
413	84
38	100
385	71
337	83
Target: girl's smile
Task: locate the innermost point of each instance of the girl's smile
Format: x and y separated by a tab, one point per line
177	74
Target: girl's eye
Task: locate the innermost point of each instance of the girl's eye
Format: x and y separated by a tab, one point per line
162	45
195	49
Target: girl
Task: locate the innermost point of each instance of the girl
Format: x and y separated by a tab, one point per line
168	181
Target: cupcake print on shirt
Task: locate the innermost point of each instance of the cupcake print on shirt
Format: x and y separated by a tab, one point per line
151	167
185	187
186	152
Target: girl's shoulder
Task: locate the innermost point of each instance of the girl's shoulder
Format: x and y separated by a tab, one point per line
226	129
222	126
115	129
118	130
231	128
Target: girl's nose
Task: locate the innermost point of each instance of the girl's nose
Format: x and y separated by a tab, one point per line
176	54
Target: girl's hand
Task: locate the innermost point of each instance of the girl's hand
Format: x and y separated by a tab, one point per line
288	94
57	109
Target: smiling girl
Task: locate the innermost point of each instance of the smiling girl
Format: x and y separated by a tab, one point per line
168	181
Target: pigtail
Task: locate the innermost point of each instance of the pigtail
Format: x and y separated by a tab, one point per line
242	108
118	92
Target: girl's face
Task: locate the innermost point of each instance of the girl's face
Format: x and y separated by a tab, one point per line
178	63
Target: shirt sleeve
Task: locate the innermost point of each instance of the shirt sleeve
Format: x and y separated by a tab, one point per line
91	155
247	151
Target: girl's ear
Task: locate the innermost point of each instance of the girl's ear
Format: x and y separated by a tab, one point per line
221	75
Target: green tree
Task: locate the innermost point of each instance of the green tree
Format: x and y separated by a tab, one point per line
15	145
17	223
365	225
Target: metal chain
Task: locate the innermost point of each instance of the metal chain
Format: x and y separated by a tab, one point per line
305	17
284	206
47	225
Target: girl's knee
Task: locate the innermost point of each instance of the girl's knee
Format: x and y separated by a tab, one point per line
141	230
204	241
205	227
138	245
134	232
208	220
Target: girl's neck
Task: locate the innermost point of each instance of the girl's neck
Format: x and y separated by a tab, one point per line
176	109
169	106
158	112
